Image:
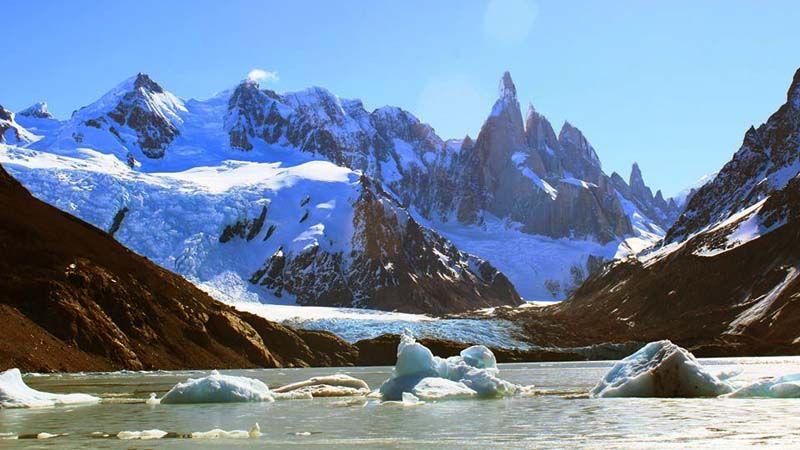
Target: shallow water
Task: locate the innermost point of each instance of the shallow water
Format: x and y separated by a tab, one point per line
560	416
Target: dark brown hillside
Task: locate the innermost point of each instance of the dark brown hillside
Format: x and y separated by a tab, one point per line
691	299
72	298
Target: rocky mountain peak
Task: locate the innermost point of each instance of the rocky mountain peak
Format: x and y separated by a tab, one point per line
764	164
38	110
570	133
636	182
793	96
5	114
138	112
143	81
531	112
507	88
578	156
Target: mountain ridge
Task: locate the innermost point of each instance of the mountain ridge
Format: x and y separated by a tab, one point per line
531	187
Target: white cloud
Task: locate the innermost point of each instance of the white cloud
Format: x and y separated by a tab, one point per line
509	21
262	75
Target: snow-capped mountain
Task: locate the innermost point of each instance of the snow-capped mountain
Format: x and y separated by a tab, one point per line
37	110
683	197
766	162
726	277
10	131
311	198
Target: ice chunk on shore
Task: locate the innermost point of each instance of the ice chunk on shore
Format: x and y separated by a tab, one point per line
218	388
660	369
339	385
418	371
787	386
14	393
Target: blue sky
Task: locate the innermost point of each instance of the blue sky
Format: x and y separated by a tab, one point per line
672	85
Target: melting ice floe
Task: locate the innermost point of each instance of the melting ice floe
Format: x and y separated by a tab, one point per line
339	385
662	369
218	388
429	377
14	393
787	386
216	433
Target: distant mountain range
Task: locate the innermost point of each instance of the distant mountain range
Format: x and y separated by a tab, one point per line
726	277
305	197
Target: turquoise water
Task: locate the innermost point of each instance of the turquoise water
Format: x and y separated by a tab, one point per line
560	415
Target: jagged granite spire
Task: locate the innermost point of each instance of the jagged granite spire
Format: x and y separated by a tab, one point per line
638	187
506	97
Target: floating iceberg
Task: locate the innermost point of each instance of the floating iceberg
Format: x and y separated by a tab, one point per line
660	369
419	372
14	393
787	386
254	433
145	435
217	388
339	385
433	388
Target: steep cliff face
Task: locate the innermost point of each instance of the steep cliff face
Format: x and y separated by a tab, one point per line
72	298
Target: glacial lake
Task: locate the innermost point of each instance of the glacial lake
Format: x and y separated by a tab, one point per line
560	415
